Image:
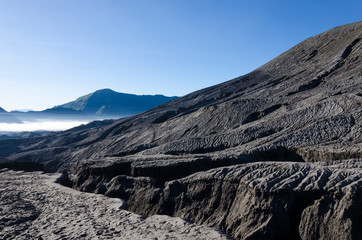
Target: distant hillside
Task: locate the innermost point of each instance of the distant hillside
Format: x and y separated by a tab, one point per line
6	117
60	110
94	106
22	110
109	102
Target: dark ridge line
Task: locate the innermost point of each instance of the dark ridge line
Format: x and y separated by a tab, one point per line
318	80
169	114
349	49
21	166
163	174
138	149
312	55
258	115
101	137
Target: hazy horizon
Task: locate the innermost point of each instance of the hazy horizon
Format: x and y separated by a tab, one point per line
32	122
29	126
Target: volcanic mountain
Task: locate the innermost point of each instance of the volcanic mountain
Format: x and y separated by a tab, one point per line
101	104
303	106
108	102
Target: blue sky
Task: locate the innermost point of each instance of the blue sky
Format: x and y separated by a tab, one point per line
53	51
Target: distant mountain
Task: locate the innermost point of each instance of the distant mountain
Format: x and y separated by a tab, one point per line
61	110
108	102
22	110
16	135
6	117
94	106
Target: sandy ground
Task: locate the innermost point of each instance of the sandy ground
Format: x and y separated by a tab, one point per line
32	206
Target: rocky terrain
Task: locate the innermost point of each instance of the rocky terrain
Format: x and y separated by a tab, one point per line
274	200
223	156
32	206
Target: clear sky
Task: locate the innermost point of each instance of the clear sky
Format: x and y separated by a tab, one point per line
53	51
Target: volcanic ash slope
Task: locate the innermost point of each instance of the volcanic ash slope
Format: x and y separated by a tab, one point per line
303	106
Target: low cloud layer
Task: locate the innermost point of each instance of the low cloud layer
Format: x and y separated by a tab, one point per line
39	126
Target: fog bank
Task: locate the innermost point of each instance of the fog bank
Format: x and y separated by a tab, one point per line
40	126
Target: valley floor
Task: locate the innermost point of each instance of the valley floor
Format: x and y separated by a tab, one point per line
33	206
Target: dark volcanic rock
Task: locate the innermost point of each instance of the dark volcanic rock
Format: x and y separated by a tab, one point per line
272	200
303	106
15	212
25	166
32	206
254	201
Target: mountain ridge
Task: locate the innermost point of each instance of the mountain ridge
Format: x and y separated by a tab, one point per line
101	104
109	102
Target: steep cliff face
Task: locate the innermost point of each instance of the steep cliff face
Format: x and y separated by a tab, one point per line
271	200
251	201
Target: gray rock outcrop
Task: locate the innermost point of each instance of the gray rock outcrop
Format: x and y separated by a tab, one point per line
32	206
273	200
